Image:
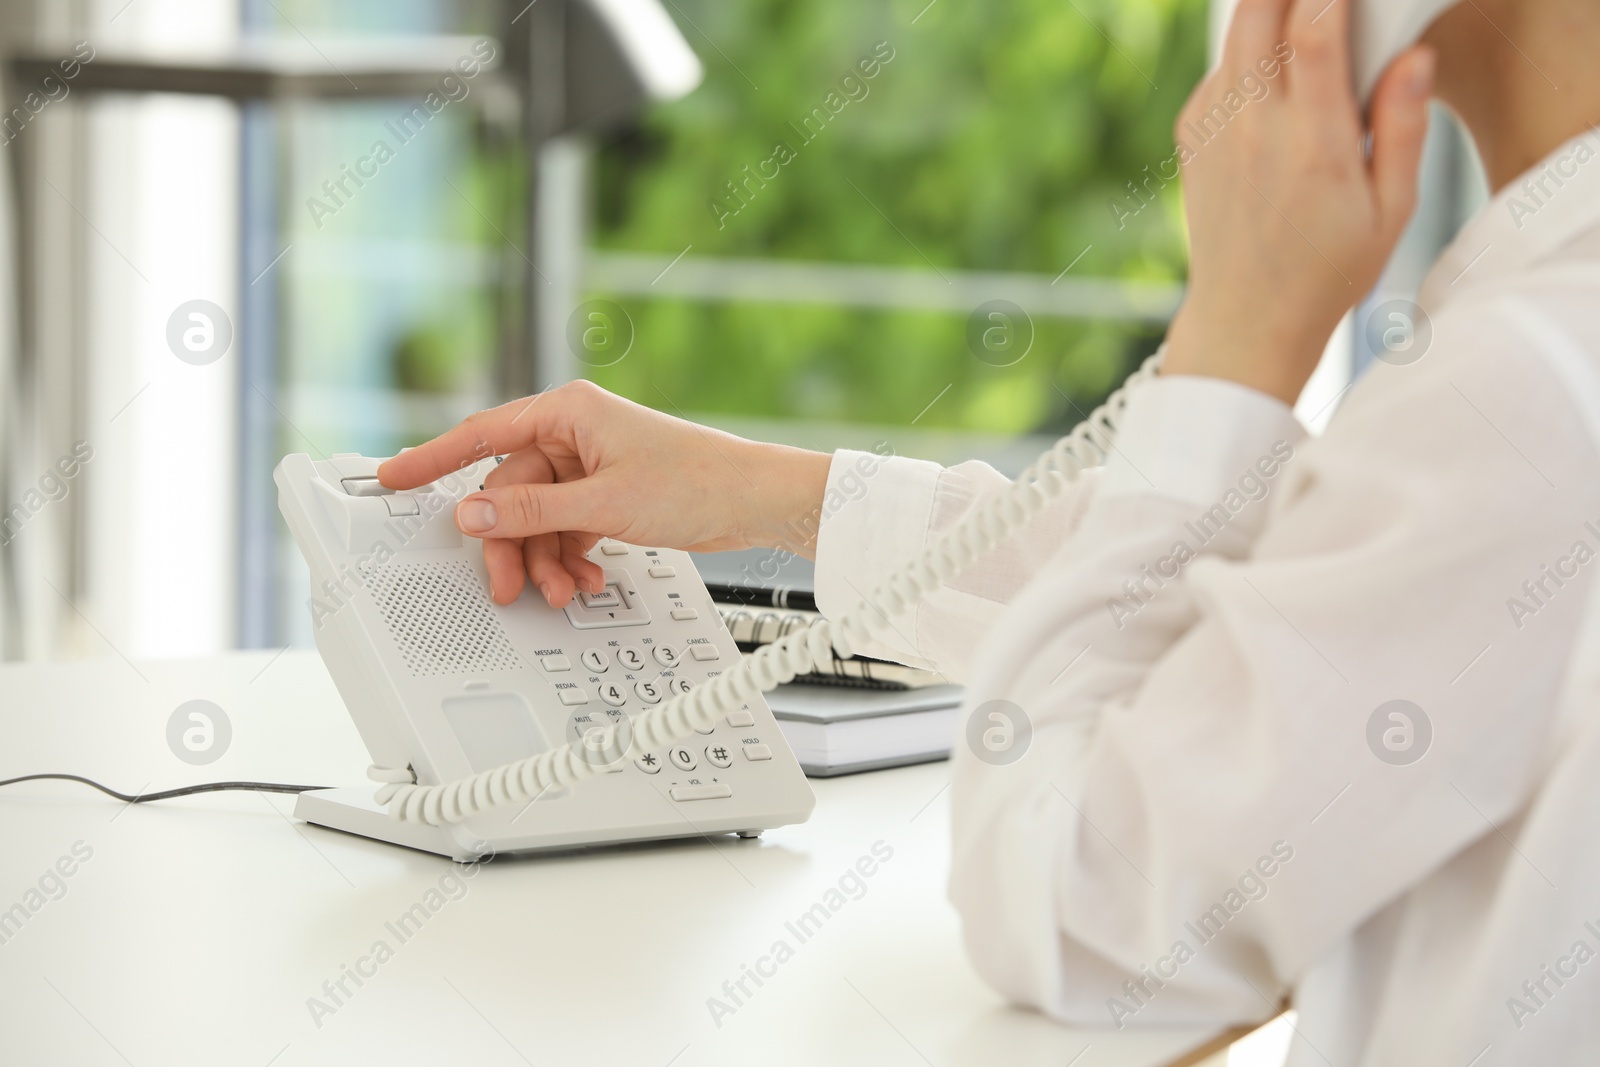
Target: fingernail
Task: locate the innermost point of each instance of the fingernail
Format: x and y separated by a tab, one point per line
476	516
545	589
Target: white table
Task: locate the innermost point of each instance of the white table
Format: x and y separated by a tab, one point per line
200	927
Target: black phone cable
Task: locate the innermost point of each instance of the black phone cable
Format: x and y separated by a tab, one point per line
167	794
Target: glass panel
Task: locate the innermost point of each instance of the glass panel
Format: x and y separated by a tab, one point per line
388	299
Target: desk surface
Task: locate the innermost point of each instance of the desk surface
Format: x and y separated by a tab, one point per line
198	929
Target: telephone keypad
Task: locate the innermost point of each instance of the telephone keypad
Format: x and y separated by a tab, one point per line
652	691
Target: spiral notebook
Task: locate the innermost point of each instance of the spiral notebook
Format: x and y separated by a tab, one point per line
753	627
859	714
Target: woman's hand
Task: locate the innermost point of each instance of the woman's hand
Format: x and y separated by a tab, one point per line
582	463
1290	222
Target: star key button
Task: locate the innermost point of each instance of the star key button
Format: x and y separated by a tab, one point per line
649	763
718	755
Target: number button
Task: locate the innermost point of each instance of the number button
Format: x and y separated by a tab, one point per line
718	755
630	659
596	660
682	758
665	655
613	694
648	692
679	686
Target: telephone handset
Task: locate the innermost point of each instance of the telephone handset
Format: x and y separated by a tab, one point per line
1382	29
446	686
488	724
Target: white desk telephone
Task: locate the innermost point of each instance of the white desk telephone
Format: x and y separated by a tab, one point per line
444	684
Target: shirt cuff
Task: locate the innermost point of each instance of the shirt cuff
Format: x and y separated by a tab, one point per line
1192	439
875	516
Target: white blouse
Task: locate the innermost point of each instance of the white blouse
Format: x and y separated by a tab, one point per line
1253	715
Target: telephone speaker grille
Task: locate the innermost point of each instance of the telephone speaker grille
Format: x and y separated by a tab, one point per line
441	620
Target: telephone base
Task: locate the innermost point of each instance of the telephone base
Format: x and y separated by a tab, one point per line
352	809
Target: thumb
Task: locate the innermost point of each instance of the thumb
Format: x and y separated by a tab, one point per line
1399	130
526	510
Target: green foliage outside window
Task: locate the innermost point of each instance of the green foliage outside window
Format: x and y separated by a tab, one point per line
992	137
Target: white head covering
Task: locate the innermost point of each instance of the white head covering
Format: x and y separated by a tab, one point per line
1382	29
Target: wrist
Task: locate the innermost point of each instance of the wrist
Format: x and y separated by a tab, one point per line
787	509
1277	364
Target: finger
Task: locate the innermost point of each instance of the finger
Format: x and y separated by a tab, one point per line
574	557
1319	73
525	510
528	465
504	560
542	558
1399	132
507	428
1255	32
